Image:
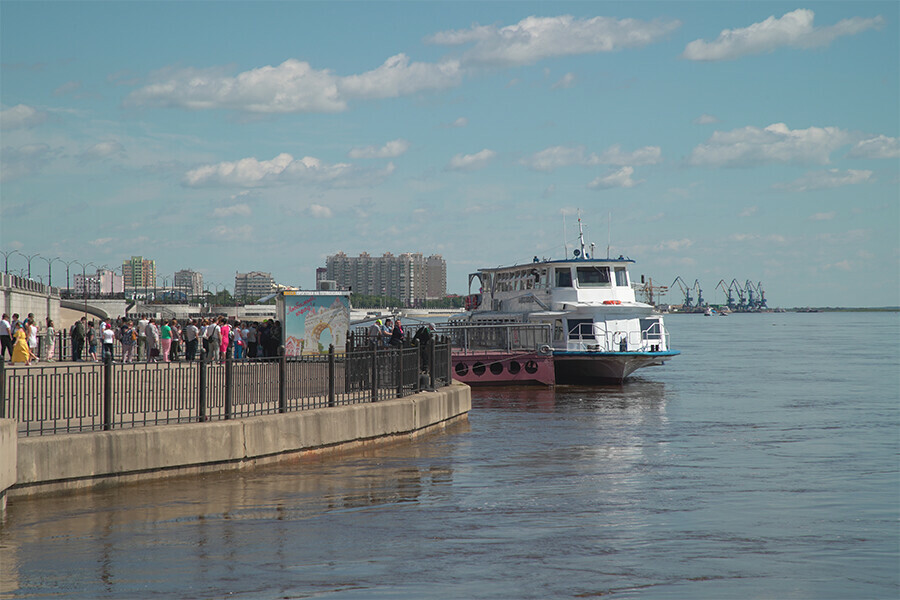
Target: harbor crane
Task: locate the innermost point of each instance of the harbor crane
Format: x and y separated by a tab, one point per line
751	292
762	295
742	299
686	290
700	302
726	289
651	291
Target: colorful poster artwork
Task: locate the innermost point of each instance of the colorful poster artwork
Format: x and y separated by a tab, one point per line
313	322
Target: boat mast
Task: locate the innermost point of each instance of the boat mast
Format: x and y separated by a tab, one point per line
580	235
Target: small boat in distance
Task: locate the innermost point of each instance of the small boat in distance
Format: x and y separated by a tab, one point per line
598	331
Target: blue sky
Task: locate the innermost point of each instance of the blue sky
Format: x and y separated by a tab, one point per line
750	141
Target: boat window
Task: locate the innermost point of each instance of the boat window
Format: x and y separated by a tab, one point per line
580	329
564	277
593	276
621	277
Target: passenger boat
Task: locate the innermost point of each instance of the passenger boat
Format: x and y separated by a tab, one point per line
599	332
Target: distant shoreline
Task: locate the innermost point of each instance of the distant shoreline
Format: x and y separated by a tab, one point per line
808	309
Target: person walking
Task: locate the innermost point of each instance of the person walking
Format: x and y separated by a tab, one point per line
190	334
6	340
237	341
21	352
397	334
90	338
142	351
214	340
129	341
152	340
108	338
165	340
51	340
77	333
225	343
31	329
176	339
252	341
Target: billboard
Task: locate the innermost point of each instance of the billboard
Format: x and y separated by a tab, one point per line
313	320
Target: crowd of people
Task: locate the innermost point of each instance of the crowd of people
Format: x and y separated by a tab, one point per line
144	339
19	338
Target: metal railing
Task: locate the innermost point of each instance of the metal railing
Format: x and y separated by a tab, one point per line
51	399
509	337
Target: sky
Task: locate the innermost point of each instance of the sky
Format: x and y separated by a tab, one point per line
705	140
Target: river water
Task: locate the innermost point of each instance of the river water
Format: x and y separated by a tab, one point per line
761	463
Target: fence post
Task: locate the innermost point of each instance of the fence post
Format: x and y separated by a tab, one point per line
107	392
432	366
374	372
282	379
228	390
331	375
201	384
400	371
2	387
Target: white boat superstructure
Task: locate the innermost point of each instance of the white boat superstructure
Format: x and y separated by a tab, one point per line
600	332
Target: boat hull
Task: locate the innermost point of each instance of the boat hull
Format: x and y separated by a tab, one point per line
502	368
604	367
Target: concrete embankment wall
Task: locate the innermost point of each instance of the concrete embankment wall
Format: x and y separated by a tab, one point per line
60	462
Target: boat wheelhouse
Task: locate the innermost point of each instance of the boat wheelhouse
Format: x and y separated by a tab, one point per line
599	332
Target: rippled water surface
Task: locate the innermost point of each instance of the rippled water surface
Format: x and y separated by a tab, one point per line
762	463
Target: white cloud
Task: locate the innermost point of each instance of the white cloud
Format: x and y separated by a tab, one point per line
24	160
567	81
774	144
317	211
749	211
876	147
674	245
460	122
794	29
293	86
392	149
822	216
398	77
743	237
103	150
67	88
705	119
284	168
536	38
21	116
621	178
236	210
822	180
471	162
555	157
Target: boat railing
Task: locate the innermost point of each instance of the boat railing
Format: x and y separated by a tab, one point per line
505	337
596	337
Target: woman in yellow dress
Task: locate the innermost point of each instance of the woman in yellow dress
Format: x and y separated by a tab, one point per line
21	351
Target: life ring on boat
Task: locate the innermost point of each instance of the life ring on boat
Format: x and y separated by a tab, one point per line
612	302
545	349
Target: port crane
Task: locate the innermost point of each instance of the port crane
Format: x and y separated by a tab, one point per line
726	289
686	290
650	291
700	302
762	295
742	298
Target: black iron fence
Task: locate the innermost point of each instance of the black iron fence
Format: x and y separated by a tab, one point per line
69	398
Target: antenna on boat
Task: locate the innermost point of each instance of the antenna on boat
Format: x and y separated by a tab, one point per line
580	234
565	239
608	233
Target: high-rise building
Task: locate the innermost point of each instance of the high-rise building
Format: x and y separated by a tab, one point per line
104	282
404	277
139	273
253	285
435	277
189	282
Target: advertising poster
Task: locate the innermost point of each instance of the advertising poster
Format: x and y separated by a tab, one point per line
314	320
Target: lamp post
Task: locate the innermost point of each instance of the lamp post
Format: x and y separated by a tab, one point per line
84	281
68	264
6	254
50	262
29	259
